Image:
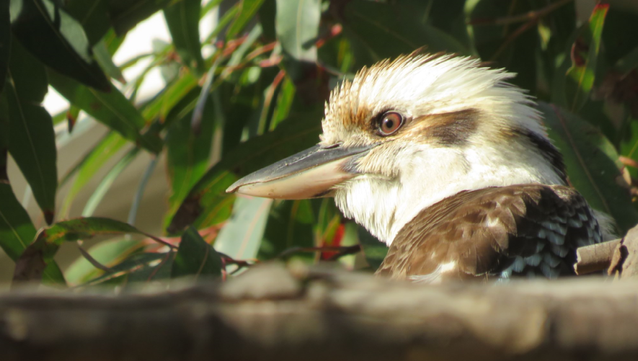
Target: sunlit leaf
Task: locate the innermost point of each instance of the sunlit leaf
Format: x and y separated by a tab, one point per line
242	234
297	27
196	258
57	40
591	162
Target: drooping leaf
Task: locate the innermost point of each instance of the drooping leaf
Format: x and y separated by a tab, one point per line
591	162
112	109
247	11
297	28
182	19
125	14
196	258
57	40
5	41
207	202
242	234
31	141
584	54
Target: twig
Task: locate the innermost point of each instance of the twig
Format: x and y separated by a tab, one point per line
529	16
596	257
93	261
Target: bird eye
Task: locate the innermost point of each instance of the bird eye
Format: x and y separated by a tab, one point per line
390	123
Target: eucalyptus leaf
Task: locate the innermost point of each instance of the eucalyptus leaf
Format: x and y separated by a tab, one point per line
57	40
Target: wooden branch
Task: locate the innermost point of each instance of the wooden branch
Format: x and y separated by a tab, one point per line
270	313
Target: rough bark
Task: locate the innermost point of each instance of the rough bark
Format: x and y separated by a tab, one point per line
271	313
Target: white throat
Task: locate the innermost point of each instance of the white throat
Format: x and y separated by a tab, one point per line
430	174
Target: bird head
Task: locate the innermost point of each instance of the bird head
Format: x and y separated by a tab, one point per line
405	134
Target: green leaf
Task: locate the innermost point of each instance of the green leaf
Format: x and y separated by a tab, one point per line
580	76
112	109
290	225
182	19
17	232
247	11
106	148
162	104
207	203
297	26
107	253
378	31
137	262
188	149
57	40
125	14
16	229
31	140
5	41
195	257
373	249
242	234
103	57
591	162
41	251
105	184
92	15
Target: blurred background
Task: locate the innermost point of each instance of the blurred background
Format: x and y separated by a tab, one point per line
256	63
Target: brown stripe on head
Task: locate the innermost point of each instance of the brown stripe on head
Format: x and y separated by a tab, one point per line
447	129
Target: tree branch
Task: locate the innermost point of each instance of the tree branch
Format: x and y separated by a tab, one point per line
270	313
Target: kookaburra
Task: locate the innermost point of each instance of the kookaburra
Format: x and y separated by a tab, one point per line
448	164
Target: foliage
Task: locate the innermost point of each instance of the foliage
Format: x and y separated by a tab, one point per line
258	97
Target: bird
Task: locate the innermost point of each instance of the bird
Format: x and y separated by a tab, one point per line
449	164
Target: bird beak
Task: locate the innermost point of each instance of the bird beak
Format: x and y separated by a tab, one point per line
309	174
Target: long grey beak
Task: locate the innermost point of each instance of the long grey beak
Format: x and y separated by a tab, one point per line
308	174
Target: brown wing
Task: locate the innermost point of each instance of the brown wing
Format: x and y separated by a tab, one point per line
494	232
